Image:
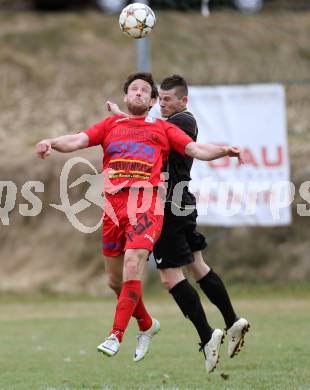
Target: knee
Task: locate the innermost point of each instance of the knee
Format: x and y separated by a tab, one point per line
171	277
198	269
131	269
133	266
115	284
134	263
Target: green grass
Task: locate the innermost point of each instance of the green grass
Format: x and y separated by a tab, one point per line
51	344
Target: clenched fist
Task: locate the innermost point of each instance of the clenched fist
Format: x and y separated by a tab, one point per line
43	149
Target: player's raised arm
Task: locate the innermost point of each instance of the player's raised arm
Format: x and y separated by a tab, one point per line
64	144
184	144
208	152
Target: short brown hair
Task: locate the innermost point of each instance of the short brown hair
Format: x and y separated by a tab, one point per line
176	82
142	76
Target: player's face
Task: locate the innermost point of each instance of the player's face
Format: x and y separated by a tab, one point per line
138	98
170	103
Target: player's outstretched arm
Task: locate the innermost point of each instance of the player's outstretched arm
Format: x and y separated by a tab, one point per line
208	152
64	144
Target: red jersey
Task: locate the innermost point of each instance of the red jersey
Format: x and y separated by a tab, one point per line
136	149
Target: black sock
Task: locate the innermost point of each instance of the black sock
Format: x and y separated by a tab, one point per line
189	302
214	288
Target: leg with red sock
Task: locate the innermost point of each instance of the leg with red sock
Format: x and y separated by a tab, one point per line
130	304
127	302
142	316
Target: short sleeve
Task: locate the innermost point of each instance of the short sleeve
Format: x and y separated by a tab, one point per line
96	132
186	122
177	138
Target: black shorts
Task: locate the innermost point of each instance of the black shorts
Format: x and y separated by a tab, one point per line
178	240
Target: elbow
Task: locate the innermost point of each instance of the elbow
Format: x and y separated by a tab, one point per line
191	150
194	152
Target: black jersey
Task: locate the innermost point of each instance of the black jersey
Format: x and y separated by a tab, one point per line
178	166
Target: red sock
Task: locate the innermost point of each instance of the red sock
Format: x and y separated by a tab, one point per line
143	318
141	315
127	302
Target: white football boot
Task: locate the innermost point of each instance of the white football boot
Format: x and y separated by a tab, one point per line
212	348
236	335
144	340
109	346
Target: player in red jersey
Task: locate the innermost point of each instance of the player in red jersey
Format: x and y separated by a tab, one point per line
135	151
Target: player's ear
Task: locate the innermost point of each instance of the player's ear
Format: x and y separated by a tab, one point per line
125	99
185	99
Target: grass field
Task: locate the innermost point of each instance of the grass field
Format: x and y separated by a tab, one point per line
51	344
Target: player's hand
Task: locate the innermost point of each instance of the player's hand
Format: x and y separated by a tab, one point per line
43	149
114	108
233	151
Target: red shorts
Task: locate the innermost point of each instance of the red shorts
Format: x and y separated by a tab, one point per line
132	219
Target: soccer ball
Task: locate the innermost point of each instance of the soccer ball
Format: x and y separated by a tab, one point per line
137	20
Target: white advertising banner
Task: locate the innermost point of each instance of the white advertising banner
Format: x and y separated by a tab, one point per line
252	117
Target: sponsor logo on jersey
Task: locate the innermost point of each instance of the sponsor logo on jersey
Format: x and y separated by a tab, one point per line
143	223
131	149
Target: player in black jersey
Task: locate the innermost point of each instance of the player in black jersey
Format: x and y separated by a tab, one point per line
180	244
